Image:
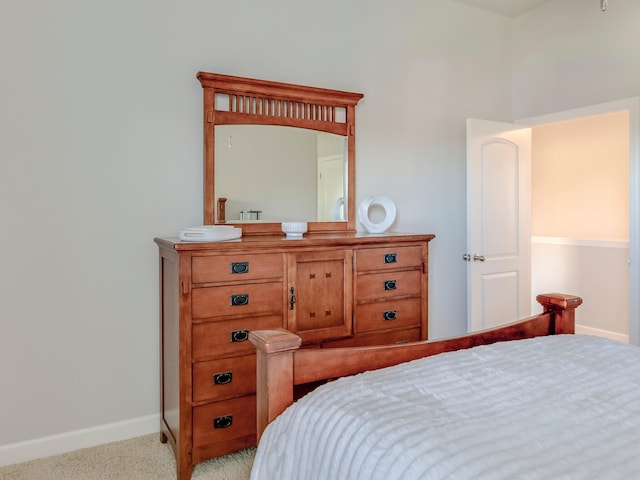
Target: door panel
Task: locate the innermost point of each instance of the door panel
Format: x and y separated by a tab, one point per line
503	289
498	223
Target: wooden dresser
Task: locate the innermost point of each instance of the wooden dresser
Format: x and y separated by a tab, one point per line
332	289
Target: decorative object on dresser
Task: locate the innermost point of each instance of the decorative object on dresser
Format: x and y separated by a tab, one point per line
210	233
385	222
294	230
336	287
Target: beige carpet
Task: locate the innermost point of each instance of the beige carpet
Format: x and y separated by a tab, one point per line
141	458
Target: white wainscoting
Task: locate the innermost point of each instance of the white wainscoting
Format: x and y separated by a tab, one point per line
596	270
89	437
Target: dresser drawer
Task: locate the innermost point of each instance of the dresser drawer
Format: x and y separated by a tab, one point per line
371	317
224	378
226	268
250	299
388	258
387	285
229	337
223	422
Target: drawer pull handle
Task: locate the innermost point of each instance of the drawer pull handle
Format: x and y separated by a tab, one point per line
242	299
240	267
389	284
239	335
390	258
390	315
222	378
223	422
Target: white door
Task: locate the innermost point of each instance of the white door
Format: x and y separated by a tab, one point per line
330	188
498	223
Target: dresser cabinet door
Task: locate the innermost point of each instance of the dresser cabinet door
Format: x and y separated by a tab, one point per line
320	294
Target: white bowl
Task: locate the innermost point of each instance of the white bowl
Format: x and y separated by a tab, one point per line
294	229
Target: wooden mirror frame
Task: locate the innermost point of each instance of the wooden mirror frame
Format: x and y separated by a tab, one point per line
262	102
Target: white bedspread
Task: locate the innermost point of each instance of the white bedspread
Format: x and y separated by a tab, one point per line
558	407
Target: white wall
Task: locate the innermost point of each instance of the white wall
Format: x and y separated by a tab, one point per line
569	54
100	151
595	270
593	153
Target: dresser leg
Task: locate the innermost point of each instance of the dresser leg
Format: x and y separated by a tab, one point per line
184	470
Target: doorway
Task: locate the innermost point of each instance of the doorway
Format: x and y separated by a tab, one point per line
631	108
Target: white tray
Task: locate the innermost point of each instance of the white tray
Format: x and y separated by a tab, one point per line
210	233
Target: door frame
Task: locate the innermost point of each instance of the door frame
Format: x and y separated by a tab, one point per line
632	106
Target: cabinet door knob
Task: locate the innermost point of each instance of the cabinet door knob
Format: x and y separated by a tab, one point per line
390	258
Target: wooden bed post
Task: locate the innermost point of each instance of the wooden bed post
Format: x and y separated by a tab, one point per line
274	373
563	308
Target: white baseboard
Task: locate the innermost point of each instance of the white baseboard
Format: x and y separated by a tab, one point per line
581	329
88	437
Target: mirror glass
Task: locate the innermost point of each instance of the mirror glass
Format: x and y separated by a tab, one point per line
272	173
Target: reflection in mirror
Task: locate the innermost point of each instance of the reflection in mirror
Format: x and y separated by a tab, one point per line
273	173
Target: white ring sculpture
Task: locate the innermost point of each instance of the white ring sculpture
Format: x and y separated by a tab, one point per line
389	210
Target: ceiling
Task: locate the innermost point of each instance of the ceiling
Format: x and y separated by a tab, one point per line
509	8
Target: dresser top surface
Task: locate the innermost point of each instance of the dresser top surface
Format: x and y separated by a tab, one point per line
309	240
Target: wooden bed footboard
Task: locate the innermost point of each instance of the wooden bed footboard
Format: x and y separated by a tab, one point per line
282	364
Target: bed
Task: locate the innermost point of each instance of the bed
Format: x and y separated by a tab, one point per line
527	400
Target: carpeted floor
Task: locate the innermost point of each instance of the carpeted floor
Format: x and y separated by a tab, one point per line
141	458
